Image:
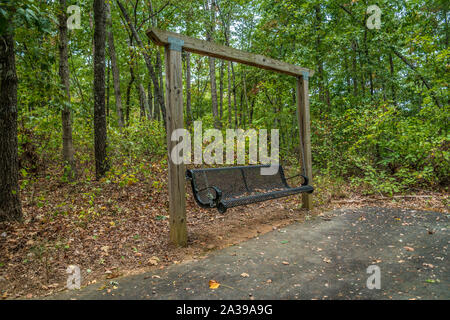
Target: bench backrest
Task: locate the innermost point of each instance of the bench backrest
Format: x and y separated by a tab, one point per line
235	181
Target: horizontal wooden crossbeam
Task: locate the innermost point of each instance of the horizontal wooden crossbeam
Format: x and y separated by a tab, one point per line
206	48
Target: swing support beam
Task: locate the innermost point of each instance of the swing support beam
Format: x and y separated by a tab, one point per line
174	43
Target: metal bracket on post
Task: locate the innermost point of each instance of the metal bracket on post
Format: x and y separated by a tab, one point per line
305	75
175	43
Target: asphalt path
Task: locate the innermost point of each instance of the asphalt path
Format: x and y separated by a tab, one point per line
366	253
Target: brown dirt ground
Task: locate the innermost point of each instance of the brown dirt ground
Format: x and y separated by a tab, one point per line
110	230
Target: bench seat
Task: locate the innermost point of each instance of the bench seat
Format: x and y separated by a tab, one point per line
229	187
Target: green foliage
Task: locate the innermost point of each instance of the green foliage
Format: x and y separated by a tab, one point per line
379	98
386	149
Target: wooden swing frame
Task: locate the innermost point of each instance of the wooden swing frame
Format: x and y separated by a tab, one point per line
174	43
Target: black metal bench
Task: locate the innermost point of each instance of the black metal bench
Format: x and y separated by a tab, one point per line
228	187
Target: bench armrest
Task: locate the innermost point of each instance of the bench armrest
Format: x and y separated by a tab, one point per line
305	179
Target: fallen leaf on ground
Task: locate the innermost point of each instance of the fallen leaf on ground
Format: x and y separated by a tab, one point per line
105	249
377	261
213	284
153	261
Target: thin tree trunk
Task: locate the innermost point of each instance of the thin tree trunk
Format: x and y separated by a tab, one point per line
362	67
114	67
382	82
212	67
234	96
142	101
108	87
188	89
222	65
354	67
129	87
229	95
246	108
157	111
318	55
368	65
158	89
347	73
158	67
10	206
100	134
212	76
67	141
150	100
252	108
241	109
162	107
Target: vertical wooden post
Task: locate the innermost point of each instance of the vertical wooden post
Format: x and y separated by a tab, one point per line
174	106
305	132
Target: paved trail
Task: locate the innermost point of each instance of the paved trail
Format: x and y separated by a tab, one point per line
323	258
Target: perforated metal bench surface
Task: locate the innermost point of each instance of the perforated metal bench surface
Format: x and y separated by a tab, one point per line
228	187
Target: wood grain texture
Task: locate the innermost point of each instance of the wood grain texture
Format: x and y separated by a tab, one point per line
206	48
174	120
305	133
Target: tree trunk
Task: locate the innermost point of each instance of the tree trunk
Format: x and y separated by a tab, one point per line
108	87
252	108
212	76
158	67
10	207
245	108
156	108
347	73
368	65
222	65
212	68
129	87
143	101
362	69
234	96
67	141
229	95
318	55
162	107
354	69
189	118
114	67
101	161
158	89
226	32
150	100
241	109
